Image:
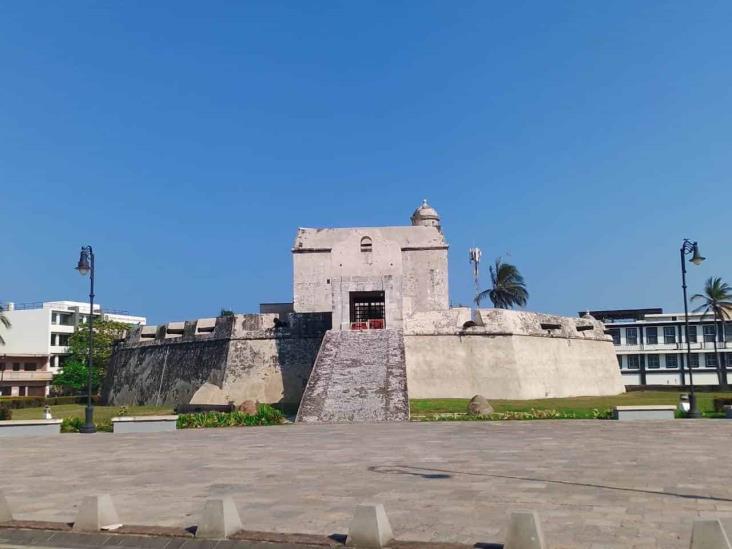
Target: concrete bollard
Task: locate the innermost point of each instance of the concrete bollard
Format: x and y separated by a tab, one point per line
219	519
524	531
709	534
370	527
96	513
6	514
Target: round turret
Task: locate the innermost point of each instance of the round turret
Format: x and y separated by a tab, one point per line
426	216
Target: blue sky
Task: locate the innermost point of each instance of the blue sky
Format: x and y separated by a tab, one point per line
186	141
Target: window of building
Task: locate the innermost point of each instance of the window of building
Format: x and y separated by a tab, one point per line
30	366
16	366
2	366
615	333
669	334
709	332
694	360
728	331
62	340
672	361
651	335
366	244
633	362
653	362
631	336
692	334
620	362
710	360
53	340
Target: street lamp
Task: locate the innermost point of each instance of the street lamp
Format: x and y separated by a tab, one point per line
86	267
689	248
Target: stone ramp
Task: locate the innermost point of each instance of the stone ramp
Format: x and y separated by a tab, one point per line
358	377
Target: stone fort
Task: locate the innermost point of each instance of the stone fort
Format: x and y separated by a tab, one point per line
369	327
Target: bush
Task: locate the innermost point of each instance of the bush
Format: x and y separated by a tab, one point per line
71	424
74	425
5	412
266	415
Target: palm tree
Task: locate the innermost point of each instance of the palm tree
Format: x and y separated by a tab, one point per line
4	322
716	299
508	287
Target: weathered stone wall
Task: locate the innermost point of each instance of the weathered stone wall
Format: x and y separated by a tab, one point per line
247	356
508	355
409	264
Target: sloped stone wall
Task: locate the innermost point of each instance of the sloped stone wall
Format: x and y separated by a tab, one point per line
264	357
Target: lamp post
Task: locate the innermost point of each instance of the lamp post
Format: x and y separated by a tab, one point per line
689	248
86	266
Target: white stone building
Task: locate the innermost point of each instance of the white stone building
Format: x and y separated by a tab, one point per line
370	327
43	329
372	274
651	346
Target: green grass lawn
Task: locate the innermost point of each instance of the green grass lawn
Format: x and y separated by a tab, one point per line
102	414
581	406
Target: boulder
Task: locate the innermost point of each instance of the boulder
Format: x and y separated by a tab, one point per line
208	393
248	407
479	406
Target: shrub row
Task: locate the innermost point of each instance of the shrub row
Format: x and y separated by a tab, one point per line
532	414
266	415
16	403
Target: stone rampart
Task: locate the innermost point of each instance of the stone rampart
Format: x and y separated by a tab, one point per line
265	357
503	354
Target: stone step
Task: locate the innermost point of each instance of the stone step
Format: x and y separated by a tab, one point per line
358	376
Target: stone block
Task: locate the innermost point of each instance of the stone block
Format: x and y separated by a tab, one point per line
370	527
644	413
96	513
524	531
709	534
219	519
144	424
6	514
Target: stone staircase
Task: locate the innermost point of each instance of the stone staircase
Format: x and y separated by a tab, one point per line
358	377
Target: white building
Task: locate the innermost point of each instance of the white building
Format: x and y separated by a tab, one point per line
651	346
43	329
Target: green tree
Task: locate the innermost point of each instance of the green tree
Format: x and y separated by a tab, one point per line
717	300
4	323
508	288
74	376
106	334
226	312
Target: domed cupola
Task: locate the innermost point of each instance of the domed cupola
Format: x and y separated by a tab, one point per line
427	216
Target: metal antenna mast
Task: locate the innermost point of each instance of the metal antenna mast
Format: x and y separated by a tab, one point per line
475	254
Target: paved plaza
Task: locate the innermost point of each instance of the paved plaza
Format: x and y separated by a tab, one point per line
595	483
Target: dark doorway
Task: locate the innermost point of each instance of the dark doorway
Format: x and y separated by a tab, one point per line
367	306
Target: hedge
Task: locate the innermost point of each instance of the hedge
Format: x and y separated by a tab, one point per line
16	403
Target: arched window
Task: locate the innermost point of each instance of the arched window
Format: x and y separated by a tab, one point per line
366	244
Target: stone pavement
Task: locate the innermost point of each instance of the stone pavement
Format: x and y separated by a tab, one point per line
596	484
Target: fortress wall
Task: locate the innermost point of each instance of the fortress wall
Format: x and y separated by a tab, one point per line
247	356
508	355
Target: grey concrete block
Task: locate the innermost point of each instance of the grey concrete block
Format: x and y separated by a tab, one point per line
144	424
709	534
30	427
96	513
6	514
370	527
524	531
644	413
219	519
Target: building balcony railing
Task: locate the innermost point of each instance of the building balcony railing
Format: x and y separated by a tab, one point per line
698	346
25	376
